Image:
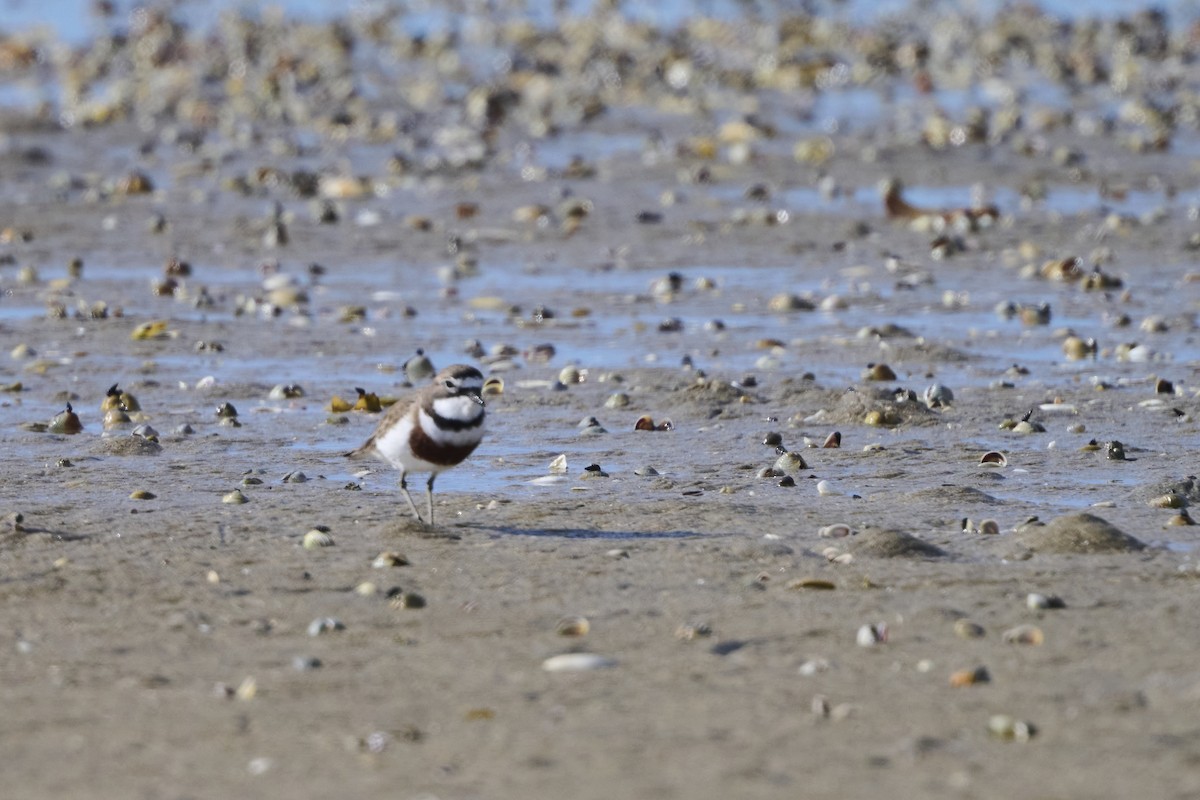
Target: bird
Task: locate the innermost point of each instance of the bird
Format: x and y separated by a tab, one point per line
418	368
438	428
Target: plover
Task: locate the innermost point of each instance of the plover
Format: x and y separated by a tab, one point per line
437	429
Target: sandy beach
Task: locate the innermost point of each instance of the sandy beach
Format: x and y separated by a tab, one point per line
616	221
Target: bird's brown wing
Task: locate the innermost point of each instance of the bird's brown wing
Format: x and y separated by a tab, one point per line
394	413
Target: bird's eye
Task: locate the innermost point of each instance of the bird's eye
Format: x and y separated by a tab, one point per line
449	384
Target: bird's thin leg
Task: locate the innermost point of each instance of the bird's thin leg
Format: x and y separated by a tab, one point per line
429	496
408	497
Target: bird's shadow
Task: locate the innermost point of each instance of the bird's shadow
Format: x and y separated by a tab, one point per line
579	533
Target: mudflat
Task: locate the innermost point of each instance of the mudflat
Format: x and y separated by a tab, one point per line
937	242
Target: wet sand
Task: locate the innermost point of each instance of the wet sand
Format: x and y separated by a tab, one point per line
161	647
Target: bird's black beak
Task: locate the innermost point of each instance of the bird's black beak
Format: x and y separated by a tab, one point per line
475	395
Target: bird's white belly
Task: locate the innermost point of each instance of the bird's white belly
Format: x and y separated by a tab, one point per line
395	446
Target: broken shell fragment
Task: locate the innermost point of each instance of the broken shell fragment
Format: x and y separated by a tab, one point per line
1002	726
316	538
367	401
969	677
812	583
156	329
406	600
993	458
286	392
1038	602
966	629
871	635
322	625
573	626
691	631
577	662
389	559
1024	634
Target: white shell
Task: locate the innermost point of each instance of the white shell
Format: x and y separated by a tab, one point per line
871	635
577	662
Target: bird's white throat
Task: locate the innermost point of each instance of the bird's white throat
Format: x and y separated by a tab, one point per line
461	409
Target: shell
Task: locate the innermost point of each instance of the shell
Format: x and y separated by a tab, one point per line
367	401
879	372
235	498
406	600
155	329
835	531
617	400
322	625
827	489
1024	634
1004	726
66	421
812	583
285	392
493	386
1038	602
573	626
871	635
115	417
789	463
938	396
965	629
969	677
559	465
833	440
389	558
989	527
577	662
993	458
316	538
